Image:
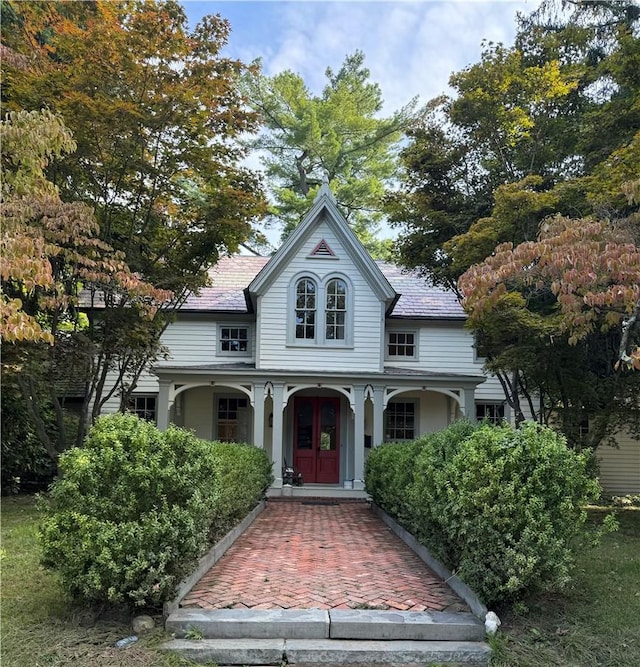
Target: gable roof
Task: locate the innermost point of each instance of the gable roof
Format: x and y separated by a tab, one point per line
230	277
325	210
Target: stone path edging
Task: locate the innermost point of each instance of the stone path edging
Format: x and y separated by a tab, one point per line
326	624
210	558
452	580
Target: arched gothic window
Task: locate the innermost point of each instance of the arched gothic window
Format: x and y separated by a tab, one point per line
335	313
305	309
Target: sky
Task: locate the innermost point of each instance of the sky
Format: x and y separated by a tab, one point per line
411	46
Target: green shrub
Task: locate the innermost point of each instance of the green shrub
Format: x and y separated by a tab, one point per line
503	508
243	476
388	473
134	509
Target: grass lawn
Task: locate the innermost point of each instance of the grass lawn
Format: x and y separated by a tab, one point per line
595	623
41	628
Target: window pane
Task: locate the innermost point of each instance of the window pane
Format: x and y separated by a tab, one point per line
335	310
401	344
305	309
234	339
400	421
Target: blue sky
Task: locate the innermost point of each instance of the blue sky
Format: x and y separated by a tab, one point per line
411	47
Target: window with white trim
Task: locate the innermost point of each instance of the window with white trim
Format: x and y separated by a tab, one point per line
305	309
492	412
400	421
230	409
233	340
336	309
401	344
143	405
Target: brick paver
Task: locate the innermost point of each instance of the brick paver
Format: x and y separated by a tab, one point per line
317	554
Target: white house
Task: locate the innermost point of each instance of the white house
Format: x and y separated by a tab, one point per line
319	353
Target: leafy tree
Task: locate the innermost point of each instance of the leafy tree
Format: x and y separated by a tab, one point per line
157	116
536	118
545	128
50	251
553	311
338	134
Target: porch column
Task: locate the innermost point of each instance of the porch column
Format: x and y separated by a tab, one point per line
378	416
258	414
162	408
469	404
358	431
278	431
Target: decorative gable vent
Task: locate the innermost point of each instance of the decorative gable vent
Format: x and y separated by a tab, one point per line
322	250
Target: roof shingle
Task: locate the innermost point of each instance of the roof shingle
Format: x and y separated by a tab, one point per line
229	278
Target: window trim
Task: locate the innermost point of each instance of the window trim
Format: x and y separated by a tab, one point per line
416	419
320	340
395	357
305	309
230	353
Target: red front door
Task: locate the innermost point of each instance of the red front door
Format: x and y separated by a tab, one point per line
316	446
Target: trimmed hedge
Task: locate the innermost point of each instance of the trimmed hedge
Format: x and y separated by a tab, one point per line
503	508
136	507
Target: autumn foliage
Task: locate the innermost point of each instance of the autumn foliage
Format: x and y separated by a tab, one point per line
50	249
592	268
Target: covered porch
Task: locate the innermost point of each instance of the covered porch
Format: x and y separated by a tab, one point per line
322	424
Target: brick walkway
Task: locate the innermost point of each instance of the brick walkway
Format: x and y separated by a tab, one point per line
312	554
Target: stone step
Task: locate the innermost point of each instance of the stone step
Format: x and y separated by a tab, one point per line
320	624
329	652
250	623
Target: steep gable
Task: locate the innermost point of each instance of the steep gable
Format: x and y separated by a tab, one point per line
324	211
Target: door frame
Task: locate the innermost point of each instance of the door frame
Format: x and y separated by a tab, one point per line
316	452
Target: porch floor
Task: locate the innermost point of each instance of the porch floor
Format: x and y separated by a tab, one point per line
325	554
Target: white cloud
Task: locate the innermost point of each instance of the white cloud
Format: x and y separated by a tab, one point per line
411	48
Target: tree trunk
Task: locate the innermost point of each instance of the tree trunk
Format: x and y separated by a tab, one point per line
34	409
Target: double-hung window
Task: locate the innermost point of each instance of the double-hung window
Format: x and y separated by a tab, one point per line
321	311
231	412
401	345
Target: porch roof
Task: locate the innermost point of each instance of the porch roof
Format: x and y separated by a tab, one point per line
247	372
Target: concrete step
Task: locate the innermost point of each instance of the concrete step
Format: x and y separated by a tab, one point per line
407	625
329	652
320	624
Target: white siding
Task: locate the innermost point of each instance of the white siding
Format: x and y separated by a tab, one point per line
367	314
147	384
620	468
447	348
190	342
